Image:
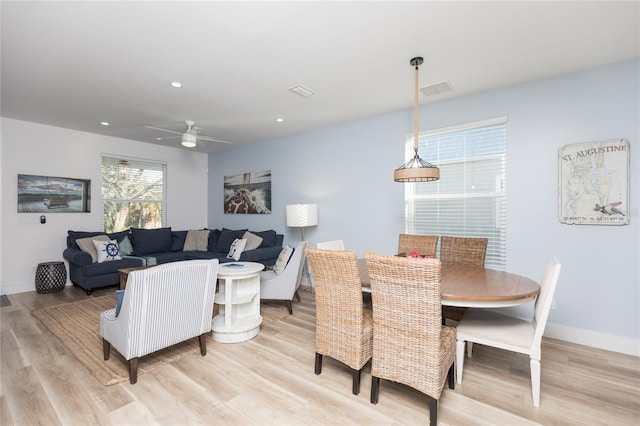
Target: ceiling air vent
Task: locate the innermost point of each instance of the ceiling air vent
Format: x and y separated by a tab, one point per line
437	89
300	90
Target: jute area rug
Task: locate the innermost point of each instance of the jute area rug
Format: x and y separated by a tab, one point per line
77	325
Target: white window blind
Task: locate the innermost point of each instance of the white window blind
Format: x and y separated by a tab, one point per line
469	200
133	193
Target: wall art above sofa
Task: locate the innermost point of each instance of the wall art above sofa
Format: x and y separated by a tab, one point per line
38	194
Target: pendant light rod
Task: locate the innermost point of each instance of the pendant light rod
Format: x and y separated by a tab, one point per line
416	62
416	170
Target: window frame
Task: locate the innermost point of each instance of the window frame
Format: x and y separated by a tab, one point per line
496	250
107	160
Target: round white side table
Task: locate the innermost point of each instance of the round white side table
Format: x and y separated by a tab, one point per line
238	299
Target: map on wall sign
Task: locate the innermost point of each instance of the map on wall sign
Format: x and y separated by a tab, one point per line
594	183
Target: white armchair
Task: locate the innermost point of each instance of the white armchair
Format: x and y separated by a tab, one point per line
284	286
162	306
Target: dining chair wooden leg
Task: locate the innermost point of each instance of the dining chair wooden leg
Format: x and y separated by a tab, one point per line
355	387
297	296
375	389
451	376
433	411
318	369
289	307
469	349
460	359
202	339
535	381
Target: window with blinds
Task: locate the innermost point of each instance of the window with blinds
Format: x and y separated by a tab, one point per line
469	200
133	193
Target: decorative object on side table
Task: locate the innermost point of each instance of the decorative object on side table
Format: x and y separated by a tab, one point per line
51	277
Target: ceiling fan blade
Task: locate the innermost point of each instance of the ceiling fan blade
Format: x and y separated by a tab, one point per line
164	130
207	138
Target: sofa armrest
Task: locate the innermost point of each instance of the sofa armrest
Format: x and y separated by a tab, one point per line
260	254
77	257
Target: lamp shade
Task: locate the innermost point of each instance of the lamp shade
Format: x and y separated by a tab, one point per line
300	215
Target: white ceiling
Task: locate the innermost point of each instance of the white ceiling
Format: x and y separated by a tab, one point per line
75	64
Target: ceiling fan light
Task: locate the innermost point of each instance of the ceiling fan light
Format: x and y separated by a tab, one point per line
188	140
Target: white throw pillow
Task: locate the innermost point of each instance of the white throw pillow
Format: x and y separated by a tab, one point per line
283	259
237	246
253	241
107	250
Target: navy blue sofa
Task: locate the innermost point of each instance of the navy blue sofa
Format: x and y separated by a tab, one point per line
157	246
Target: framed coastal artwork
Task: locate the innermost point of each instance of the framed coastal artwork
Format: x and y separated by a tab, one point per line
51	194
248	193
594	183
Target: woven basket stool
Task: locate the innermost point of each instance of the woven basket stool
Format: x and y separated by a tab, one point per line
51	277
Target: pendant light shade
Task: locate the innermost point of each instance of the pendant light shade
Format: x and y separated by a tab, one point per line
416	170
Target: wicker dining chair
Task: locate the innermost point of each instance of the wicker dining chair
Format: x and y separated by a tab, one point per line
410	344
462	251
424	244
343	324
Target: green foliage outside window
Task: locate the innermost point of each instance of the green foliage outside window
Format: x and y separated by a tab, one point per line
133	194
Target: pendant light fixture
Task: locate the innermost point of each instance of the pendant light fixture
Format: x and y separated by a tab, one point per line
416	170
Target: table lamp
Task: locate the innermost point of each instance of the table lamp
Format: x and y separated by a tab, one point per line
301	215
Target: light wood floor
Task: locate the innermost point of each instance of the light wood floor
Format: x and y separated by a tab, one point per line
270	381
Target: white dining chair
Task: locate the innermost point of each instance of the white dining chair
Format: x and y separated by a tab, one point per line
506	332
331	245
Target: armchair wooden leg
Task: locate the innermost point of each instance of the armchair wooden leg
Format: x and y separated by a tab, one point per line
106	349
355	387
318	369
133	370
289	307
433	411
375	389
203	343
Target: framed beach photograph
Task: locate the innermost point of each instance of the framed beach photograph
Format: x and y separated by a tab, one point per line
248	193
51	194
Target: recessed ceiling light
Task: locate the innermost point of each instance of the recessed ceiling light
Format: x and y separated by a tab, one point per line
279	120
105	123
176	84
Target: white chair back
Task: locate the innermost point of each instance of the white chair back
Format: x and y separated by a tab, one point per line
544	299
331	245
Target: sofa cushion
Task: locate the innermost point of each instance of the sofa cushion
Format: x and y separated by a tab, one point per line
237	246
87	246
119	236
107	250
119	297
106	268
227	237
268	238
253	241
197	240
214	235
283	259
177	240
147	241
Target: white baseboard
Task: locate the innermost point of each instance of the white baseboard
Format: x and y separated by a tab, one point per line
595	339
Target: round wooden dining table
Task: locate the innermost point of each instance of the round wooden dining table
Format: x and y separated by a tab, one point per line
474	287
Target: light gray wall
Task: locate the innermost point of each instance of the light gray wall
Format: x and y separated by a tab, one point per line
35	149
347	170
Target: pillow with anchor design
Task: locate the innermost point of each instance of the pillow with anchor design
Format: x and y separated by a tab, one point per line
107	250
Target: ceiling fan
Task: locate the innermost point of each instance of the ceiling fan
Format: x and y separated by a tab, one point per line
190	136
